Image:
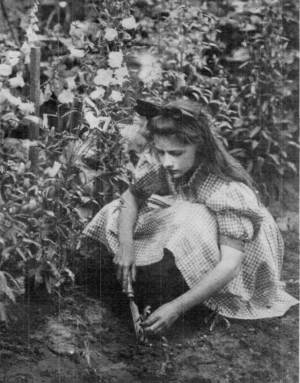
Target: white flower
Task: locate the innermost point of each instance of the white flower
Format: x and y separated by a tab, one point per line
26	107
76	53
92	120
97	93
25	49
31	35
46	95
110	34
116	96
5	95
10	116
78	31
2	97
104	77
12	57
66	96
70	82
133	138
120	74
63	4
52	171
5	70
32	119
17	81
150	69
115	59
129	23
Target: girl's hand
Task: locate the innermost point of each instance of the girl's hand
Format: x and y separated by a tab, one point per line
125	261
161	319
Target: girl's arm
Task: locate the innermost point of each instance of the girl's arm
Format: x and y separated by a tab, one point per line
211	283
124	259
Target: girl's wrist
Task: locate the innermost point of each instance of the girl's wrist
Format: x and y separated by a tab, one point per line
179	306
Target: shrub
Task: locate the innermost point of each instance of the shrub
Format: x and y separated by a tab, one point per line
239	60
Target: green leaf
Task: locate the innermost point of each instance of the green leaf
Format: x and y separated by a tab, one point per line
30	241
254	144
50	213
239	55
5	289
292	166
295	144
224	124
21	253
275	158
254	131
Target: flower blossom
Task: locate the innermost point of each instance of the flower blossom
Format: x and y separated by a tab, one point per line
115	59
150	69
17	81
110	34
26	107
129	23
5	70
66	96
104	77
97	93
5	95
12	57
116	96
121	74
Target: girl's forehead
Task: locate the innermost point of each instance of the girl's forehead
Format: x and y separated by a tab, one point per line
168	142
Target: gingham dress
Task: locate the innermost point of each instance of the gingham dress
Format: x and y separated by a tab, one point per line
191	218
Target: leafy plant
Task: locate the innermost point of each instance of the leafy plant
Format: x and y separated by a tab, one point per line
239	59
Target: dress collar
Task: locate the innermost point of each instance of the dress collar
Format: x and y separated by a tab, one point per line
191	177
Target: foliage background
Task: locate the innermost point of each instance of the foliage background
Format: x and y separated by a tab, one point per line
238	58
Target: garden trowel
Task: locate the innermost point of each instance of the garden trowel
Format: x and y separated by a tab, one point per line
135	314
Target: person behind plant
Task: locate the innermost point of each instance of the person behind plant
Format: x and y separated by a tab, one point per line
192	199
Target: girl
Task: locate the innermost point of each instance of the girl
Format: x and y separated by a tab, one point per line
191	199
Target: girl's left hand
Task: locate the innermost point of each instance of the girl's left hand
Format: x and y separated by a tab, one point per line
161	319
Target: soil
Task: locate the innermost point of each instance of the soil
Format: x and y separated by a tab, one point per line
80	337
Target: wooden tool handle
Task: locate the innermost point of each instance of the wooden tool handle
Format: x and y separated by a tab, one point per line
130	292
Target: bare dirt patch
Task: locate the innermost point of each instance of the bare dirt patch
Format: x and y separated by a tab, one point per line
80	338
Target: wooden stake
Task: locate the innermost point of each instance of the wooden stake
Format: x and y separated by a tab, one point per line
75	115
35	62
35	59
60	122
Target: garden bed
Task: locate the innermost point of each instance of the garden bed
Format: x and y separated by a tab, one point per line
83	338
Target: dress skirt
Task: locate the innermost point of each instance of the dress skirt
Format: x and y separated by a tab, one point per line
190	232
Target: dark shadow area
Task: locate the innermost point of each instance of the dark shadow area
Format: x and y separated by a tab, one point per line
155	285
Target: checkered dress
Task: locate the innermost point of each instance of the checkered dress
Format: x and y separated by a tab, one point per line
191	217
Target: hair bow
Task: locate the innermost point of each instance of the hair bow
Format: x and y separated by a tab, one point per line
150	110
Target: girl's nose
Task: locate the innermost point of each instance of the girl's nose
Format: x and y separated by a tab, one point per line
168	161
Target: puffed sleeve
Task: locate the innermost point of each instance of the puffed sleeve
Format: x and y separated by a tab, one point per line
148	178
238	213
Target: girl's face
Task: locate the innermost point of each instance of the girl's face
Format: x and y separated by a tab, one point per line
177	158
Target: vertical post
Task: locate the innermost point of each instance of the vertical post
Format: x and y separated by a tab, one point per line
35	59
59	127
98	180
74	119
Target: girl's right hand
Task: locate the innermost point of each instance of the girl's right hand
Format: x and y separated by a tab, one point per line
126	268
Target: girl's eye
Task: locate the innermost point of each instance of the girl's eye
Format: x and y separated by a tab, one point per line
176	154
173	154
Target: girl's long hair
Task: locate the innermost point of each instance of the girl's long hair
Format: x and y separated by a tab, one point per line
195	126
